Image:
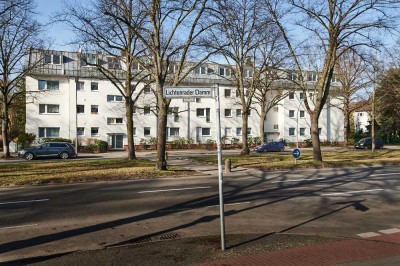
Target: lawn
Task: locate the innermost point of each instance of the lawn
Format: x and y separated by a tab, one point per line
73	171
276	161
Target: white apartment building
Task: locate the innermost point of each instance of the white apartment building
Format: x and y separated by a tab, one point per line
66	98
361	116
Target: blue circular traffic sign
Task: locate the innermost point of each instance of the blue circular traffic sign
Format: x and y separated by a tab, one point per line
296	153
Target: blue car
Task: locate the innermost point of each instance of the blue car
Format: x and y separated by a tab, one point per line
271	146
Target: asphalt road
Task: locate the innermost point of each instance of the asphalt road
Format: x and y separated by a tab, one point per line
44	220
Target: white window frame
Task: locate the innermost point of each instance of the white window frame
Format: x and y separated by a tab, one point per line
77	108
173	132
229	114
146	110
238	112
115	120
302	131
203	110
239	131
302	114
80	131
291	95
292	131
113	98
291	113
228	131
94	85
46	109
208	129
276	127
80	86
45	130
94	112
145	129
46	85
94	134
52	56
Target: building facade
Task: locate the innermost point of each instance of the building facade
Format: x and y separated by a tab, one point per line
68	99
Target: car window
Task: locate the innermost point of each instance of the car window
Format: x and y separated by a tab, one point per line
54	145
45	145
64	145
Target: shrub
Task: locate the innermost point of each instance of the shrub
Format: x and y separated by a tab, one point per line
308	143
56	140
25	140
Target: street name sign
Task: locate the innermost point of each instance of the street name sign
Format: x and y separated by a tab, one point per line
188	92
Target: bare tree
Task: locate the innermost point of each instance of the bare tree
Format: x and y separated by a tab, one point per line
101	27
170	34
18	32
351	71
243	28
331	28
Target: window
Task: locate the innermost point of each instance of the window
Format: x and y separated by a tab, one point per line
203	70
302	131
249	112
94	86
238	131
227	93
173	110
49	109
291	113
80	109
292	76
238	112
200	112
228	112
174	131
147	131
49	85
276	109
248	73
114	98
89	61
291	131
206	131
312	77
94	131
291	95
198	100
134	131
113	63
302	114
319	131
223	71
54	59
94	109
301	95
249	131
49	132
114	120
146	90
276	127
80	86
80	131
360	114
228	131
146	110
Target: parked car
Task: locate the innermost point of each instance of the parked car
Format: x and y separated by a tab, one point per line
62	150
270	146
366	143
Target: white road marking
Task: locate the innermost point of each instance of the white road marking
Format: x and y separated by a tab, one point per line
369	234
212	206
298	180
385	174
390	231
229	204
18	226
173	189
351	192
22	201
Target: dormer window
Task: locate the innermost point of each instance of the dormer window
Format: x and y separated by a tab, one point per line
113	63
54	59
89	61
223	71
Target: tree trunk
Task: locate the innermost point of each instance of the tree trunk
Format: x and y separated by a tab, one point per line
161	127
346	128
263	115
317	155
4	131
245	148
129	129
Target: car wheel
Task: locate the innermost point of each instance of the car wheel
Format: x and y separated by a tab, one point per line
29	156
64	155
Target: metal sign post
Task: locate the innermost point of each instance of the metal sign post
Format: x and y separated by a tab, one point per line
220	175
188	93
296	155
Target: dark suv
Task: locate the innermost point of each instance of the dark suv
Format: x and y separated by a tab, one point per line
62	150
366	143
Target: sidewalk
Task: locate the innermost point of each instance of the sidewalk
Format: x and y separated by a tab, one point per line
380	250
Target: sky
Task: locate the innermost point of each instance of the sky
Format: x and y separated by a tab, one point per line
58	33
